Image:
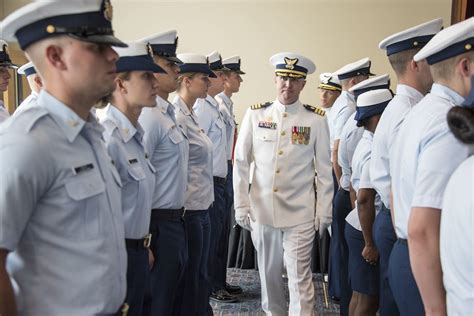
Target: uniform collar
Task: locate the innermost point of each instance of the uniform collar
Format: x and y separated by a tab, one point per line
348	95
212	101
368	135
410	92
181	106
162	104
447	93
288	108
124	126
70	123
226	99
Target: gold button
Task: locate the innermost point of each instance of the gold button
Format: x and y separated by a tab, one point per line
283	133
415	43
278	171
275	190
285	114
468	46
50	29
280	152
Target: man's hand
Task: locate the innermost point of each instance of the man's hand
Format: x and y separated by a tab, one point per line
7	298
370	254
322	223
151	259
243	217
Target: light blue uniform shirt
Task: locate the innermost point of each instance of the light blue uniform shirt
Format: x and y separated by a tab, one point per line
3	112
360	176
350	137
384	136
226	106
125	146
340	112
457	240
200	190
212	122
27	103
424	155
168	147
60	213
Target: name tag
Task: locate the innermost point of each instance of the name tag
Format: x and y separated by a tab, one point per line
266	124
132	161
83	168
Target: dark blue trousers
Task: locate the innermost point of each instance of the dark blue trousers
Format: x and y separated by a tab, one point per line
137	278
334	251
384	238
342	207
403	285
223	243
169	246
216	217
194	297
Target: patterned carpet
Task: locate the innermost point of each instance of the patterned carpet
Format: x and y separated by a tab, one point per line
249	303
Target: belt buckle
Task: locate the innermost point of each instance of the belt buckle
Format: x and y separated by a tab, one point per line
147	241
124	309
184	212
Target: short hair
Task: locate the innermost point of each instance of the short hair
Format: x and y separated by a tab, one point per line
445	69
400	61
461	123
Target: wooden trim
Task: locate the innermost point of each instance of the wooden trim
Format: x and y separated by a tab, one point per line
461	10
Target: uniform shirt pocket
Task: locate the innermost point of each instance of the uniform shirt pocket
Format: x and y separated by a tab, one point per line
266	135
85	192
136	173
265	144
175	135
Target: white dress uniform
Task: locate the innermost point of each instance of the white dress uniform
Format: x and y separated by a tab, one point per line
3	112
26	104
168	147
457	240
212	122
341	110
422	159
125	146
199	192
387	129
350	137
226	106
68	209
282	194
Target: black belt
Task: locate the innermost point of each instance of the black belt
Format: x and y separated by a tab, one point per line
138	243
344	191
166	214
403	241
219	180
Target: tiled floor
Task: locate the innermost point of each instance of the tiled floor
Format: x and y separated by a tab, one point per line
249	303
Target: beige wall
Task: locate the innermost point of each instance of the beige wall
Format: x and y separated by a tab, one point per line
330	32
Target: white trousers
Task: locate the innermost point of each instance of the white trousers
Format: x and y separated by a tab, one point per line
293	245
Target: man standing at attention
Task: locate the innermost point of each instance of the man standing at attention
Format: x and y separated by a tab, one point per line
287	140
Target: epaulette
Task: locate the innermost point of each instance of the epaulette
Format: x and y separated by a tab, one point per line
260	105
315	109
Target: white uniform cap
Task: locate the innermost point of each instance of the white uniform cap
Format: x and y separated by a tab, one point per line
452	41
164	44
379	82
374	97
233	63
195	63
5	60
138	56
215	61
329	82
292	65
357	68
27	69
414	37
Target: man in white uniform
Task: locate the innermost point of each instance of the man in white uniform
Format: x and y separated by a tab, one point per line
287	141
422	159
34	81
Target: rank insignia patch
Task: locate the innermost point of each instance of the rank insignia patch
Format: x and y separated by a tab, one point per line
300	135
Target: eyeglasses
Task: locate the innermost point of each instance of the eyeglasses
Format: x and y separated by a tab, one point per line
290	79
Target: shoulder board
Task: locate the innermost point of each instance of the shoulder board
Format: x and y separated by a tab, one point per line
315	109
261	105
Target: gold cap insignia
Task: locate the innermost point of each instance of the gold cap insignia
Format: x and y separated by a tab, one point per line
5	49
150	49
108	10
290	63
50	29
468	46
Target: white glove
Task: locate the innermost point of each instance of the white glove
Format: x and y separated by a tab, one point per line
321	224
243	217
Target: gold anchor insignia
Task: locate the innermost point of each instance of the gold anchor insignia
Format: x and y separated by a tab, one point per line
290	62
150	49
5	49
108	10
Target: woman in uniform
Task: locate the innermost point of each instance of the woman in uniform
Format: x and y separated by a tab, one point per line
135	88
193	83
